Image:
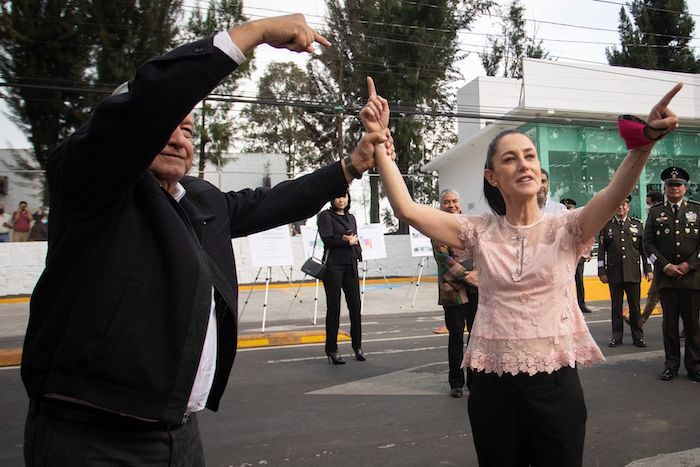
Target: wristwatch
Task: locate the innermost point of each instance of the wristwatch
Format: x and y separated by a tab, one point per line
351	168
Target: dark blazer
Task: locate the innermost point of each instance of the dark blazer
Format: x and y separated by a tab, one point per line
331	228
621	250
674	239
119	315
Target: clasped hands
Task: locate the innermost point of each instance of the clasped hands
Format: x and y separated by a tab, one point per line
677	270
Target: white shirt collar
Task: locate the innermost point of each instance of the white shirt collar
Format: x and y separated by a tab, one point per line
180	192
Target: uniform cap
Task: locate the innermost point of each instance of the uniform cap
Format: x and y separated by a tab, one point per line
675	174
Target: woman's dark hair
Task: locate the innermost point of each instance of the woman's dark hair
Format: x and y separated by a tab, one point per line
347	208
491	193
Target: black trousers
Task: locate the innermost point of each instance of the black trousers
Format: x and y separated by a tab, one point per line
64	434
336	278
633	292
456	317
683	304
524	420
580	291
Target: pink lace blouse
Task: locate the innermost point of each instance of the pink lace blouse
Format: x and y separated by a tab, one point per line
528	319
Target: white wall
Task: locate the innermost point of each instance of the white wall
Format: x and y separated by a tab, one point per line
21	264
604	90
246	170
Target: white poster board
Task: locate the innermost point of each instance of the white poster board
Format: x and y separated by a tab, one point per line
308	237
372	241
271	248
420	244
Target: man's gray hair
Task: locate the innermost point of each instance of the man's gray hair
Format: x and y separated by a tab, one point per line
447	191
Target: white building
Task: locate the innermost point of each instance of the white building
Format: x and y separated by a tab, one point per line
570	111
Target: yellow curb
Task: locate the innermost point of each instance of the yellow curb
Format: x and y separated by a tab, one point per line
269	339
283	285
14	300
10	357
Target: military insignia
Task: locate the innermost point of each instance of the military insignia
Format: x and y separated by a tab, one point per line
610	232
666	231
634	239
634	229
691	216
658	233
687	230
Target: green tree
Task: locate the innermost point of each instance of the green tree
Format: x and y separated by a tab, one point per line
129	33
513	44
657	38
410	48
280	128
45	54
213	128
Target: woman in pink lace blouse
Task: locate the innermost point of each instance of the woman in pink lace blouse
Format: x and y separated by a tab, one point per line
526	406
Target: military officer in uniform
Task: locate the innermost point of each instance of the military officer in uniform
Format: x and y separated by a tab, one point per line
672	241
620	255
578	276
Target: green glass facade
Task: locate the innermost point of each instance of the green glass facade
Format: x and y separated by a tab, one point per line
581	161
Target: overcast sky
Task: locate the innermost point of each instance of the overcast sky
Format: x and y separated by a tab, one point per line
553	21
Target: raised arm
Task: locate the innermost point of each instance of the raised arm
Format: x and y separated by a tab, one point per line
436	224
599	209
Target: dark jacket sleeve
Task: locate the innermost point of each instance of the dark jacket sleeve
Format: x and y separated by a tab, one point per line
328	233
252	211
650	249
602	255
103	159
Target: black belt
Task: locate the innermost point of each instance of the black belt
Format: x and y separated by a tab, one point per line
79	413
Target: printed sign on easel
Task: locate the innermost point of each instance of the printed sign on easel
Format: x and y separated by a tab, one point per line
420	244
372	241
271	248
308	237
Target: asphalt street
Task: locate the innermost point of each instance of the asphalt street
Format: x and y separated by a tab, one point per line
288	406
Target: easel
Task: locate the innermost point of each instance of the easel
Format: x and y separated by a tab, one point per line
419	270
315	297
364	282
268	278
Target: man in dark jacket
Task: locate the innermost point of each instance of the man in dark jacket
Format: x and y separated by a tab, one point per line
132	325
620	256
672	241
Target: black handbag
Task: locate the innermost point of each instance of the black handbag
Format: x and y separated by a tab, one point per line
315	267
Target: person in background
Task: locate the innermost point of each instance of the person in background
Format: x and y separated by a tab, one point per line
338	230
620	252
543	200
39	232
580	289
21	222
653	198
5	225
672	241
526	404
458	295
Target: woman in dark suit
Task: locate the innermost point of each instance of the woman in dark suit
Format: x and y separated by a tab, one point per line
338	230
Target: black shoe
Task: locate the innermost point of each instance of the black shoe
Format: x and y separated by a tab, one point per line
585	309
615	342
335	358
360	355
640	343
456	392
668	375
694	375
